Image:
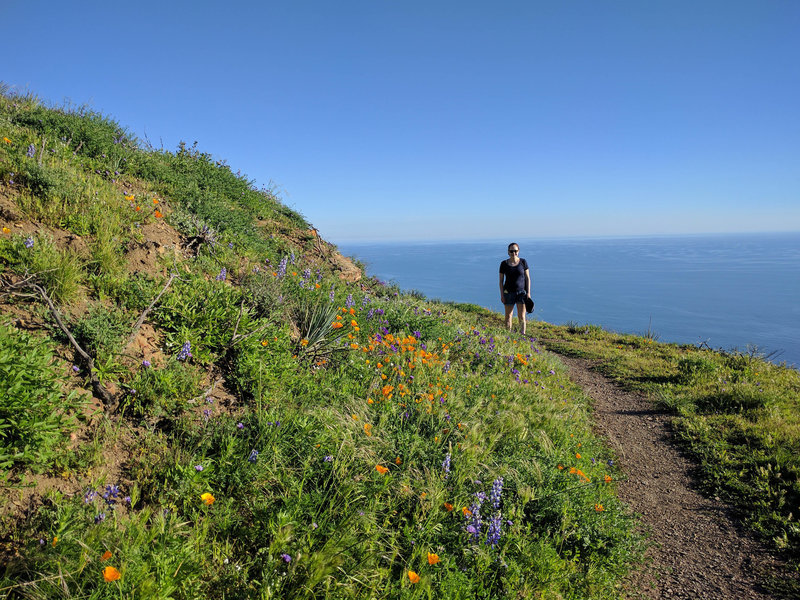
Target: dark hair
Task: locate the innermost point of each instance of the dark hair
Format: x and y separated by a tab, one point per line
513	244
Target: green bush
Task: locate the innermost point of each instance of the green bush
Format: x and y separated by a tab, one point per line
35	412
692	368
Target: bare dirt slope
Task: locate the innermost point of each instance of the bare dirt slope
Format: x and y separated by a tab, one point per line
699	549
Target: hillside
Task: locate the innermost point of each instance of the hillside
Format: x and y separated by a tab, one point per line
200	397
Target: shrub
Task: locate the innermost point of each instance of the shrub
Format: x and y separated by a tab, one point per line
692	368
34	411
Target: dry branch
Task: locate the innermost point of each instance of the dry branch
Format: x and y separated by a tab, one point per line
13	288
144	314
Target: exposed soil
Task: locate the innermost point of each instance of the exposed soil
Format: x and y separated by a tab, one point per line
699	551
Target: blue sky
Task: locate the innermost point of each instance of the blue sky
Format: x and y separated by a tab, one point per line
388	119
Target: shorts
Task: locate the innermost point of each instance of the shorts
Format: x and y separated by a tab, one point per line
512	298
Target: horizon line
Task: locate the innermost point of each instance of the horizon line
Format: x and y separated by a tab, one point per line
384	241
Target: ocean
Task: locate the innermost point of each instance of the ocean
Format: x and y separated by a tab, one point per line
730	291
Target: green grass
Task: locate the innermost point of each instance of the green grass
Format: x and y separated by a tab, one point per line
345	431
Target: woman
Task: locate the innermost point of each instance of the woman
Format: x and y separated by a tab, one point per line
515	285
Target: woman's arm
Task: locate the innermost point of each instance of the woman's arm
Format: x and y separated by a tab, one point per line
502	298
528	282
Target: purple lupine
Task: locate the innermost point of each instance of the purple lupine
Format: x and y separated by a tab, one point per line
446	466
31	151
185	352
223	274
286	558
28	242
282	267
494	532
497	490
198	468
349	303
475	517
112	491
253	456
146	364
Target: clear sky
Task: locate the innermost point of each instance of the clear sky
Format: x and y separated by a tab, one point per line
440	119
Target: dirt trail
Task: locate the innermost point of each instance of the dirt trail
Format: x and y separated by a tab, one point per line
699	550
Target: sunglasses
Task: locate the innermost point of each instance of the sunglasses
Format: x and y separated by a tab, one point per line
513	251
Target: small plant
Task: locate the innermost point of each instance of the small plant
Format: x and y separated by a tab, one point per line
320	336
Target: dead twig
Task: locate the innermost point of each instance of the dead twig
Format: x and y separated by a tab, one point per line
99	389
206	393
14	288
144	314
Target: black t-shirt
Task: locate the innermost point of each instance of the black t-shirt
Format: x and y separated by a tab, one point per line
515	276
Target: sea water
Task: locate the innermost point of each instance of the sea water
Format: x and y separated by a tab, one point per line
729	291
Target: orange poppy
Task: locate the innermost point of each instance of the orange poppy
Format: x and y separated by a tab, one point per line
448	507
398	461
607	478
337	325
433	558
106	555
111	574
158	214
413	577
381	469
599	507
207	499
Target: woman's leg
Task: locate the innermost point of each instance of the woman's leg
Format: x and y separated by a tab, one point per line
521	316
509	311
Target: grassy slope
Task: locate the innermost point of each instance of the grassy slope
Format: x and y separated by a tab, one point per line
347	432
